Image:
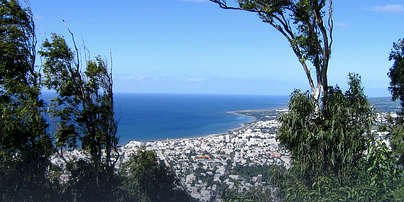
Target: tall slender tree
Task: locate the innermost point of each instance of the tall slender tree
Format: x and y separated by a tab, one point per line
396	72
25	146
85	115
396	75
306	24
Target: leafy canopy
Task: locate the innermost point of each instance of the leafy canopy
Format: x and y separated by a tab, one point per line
84	112
335	156
25	147
147	179
334	141
396	72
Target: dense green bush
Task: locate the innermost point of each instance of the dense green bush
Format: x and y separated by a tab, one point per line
332	139
396	74
377	179
147	179
334	154
257	194
25	146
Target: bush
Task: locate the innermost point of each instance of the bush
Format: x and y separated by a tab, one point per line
330	140
335	156
145	179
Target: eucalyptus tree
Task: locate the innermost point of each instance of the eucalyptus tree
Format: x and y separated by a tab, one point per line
84	113
396	75
306	24
326	131
396	72
335	142
25	147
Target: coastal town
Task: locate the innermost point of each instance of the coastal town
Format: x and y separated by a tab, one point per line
207	165
237	160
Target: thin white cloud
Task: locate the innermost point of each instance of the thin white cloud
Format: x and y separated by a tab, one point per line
38	17
140	78
342	26
196	1
135	77
196	79
388	8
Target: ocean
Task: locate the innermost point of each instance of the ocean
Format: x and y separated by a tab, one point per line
148	117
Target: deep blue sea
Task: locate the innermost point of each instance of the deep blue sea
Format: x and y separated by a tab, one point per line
146	117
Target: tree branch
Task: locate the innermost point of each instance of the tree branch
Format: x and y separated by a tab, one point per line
278	21
330	22
297	52
74	44
223	5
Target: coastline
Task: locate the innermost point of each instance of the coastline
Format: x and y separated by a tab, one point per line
204	164
229	131
238	113
253	145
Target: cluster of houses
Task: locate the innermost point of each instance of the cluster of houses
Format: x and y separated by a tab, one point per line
206	165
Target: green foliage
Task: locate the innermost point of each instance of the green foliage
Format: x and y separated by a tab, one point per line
145	179
17	52
396	73
25	146
357	187
395	134
302	14
258	194
395	127
376	178
332	141
335	156
84	110
397	142
251	171
82	183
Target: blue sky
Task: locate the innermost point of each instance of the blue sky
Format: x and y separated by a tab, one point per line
193	46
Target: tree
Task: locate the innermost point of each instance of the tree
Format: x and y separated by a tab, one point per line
306	24
84	112
146	179
25	146
333	143
335	157
396	72
256	194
